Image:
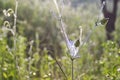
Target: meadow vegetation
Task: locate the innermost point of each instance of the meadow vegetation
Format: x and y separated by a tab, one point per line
32	46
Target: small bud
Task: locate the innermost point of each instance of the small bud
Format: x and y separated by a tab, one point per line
6	24
10	12
77	43
104	21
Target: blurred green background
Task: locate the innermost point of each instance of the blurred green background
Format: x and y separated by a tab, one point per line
37	22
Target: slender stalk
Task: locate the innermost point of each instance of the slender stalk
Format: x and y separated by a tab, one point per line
2	66
14	36
15	16
60	68
29	59
72	68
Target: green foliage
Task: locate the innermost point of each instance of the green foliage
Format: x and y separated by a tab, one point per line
39	43
110	60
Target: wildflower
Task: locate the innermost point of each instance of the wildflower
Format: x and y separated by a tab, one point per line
73	49
73	46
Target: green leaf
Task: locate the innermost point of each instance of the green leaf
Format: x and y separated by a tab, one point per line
5	75
104	21
77	43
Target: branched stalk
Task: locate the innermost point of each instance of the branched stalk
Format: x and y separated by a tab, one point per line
95	25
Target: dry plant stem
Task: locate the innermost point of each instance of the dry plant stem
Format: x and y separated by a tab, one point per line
15	16
63	30
62	24
14	36
80	37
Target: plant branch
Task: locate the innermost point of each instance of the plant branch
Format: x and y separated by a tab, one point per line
95	25
61	23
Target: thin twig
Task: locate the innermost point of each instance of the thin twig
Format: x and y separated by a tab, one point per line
60	67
